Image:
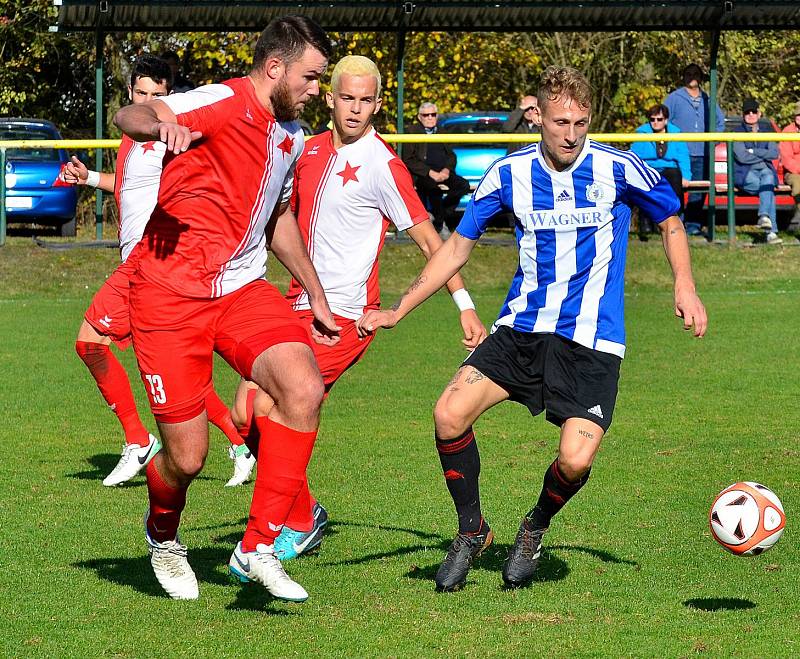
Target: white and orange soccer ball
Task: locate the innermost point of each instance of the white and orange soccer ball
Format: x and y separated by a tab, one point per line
747	518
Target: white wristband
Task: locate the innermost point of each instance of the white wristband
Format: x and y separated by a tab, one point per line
463	300
93	178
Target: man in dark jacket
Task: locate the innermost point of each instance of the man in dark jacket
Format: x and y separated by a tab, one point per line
521	121
433	167
754	172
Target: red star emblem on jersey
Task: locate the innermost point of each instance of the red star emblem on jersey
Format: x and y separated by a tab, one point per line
348	173
287	145
148	146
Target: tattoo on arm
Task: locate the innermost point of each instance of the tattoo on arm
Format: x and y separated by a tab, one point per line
414	286
586	433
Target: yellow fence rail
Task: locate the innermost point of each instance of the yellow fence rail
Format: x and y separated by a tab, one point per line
463	138
454	138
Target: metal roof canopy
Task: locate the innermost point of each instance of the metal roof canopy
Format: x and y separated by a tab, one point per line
432	15
401	17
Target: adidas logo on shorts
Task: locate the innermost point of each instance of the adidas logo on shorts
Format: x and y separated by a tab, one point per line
564	196
596	411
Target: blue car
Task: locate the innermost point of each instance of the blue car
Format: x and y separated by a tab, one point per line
35	191
472	160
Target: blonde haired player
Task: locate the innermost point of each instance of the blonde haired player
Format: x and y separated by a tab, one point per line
349	185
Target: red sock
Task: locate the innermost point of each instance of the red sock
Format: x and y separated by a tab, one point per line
166	505
282	463
112	380
220	416
300	517
248	428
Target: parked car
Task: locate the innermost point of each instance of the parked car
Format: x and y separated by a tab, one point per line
472	160
35	190
783	202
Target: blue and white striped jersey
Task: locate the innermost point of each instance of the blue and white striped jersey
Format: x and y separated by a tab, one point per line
572	231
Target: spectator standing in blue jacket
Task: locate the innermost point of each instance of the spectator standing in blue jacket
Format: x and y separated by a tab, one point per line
754	172
689	110
670	159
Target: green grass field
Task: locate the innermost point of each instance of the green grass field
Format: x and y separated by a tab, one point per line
630	568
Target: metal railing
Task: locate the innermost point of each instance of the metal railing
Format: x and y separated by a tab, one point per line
460	138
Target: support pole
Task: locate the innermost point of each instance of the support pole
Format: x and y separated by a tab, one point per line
731	192
401	56
712	127
98	128
2	196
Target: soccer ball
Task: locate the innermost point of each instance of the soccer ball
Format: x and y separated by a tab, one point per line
747	518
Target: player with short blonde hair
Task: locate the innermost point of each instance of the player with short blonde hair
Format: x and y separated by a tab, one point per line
355	65
349	185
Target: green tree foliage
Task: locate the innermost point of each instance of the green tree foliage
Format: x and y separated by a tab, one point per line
458	71
44	74
51	75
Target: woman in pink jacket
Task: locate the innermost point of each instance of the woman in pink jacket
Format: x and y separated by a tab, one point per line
790	157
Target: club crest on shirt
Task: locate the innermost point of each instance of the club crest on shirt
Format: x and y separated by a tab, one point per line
594	192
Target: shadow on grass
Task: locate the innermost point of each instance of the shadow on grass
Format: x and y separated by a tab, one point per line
331	529
719	603
101	466
138	574
254	597
604	556
551	568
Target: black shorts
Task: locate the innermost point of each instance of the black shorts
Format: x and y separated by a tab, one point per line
549	372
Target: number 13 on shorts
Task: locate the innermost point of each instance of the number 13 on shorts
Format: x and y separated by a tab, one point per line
157	393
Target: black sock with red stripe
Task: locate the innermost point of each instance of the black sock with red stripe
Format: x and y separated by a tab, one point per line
556	491
461	464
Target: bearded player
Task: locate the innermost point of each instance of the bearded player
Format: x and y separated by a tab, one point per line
349	185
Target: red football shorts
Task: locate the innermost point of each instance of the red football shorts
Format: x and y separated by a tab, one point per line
334	360
109	311
175	338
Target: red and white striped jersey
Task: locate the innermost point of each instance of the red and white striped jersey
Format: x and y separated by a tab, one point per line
136	181
344	200
205	237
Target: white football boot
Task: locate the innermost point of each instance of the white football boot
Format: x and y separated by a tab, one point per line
243	463
134	458
263	566
172	568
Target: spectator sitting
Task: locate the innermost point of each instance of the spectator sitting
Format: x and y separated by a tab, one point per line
433	167
754	172
521	120
688	108
670	159
790	157
179	82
